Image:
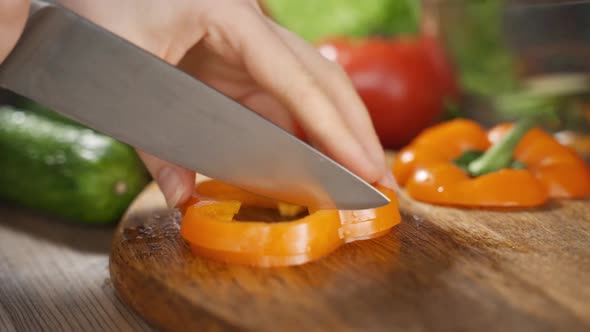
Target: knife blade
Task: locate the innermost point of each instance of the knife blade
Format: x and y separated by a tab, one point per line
98	79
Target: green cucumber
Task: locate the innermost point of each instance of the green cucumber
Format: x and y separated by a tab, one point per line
65	169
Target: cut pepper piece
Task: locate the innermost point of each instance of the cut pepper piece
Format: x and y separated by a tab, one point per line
563	172
362	224
208	225
426	169
252	259
439	143
448	184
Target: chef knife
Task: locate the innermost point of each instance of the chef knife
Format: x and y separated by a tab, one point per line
104	82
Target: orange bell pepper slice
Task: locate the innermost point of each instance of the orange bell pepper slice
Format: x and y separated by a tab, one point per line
209	227
426	169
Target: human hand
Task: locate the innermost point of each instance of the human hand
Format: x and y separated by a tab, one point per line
13	15
234	47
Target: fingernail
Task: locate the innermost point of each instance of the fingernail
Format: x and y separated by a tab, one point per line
171	185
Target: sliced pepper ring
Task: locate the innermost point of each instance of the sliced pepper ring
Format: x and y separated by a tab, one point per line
426	169
369	223
209	227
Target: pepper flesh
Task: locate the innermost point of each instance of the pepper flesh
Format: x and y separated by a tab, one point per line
209	227
427	171
562	171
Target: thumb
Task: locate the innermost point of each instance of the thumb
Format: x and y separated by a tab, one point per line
13	16
175	182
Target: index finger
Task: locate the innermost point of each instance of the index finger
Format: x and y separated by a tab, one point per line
275	68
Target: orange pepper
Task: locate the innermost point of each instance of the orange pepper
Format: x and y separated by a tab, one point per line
427	171
209	227
563	172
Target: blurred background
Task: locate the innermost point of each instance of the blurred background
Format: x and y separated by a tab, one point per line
490	60
414	63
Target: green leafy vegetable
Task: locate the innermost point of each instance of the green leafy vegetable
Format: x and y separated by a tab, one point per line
474	34
314	19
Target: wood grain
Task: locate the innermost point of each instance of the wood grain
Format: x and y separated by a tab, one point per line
54	277
442	269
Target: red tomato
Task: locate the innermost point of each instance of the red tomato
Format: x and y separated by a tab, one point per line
402	82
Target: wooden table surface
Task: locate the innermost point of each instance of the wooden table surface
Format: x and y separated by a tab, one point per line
54	277
441	269
531	274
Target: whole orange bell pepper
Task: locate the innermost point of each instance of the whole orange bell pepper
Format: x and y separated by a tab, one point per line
209	227
436	167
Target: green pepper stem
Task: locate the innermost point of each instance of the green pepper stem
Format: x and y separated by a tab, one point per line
500	155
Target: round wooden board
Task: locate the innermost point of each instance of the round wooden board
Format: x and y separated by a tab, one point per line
441	269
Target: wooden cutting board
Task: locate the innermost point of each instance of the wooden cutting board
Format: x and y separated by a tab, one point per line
441	269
